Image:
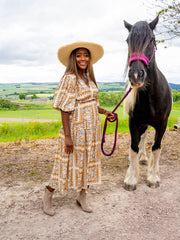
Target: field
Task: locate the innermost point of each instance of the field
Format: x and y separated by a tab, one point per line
12	131
41	110
11	91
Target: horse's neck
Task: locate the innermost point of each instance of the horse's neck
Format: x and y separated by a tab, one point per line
157	86
153	75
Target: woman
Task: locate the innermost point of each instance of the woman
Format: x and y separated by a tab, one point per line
77	163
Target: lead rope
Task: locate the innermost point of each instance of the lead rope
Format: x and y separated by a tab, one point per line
105	126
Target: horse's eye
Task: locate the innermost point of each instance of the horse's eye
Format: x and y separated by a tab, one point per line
129	74
152	40
141	73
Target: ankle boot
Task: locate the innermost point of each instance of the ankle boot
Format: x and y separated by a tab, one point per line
47	202
82	202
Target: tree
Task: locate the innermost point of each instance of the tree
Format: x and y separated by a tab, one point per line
176	95
6	104
34	96
22	96
170	13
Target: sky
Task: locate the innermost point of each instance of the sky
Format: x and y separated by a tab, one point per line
32	31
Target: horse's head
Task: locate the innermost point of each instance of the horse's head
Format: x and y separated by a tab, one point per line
141	46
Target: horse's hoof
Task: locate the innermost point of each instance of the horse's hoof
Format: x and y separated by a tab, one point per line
153	185
129	187
143	162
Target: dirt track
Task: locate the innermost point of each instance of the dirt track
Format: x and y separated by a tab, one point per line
144	214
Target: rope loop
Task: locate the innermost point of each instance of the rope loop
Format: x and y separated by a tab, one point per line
104	133
116	129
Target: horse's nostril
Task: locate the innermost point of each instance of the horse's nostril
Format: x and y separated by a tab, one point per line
135	75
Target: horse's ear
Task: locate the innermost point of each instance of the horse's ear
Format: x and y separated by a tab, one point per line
154	23
127	25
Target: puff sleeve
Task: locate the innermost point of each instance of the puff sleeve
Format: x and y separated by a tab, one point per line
65	97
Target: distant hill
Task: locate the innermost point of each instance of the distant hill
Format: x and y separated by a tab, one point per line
12	90
174	86
120	86
111	86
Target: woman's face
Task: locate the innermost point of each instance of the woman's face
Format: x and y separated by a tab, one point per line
82	58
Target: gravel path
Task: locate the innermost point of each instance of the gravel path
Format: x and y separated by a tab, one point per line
144	214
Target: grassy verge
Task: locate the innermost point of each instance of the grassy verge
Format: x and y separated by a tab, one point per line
31	130
32	114
38	130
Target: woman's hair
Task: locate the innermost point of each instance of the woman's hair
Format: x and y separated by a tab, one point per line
72	67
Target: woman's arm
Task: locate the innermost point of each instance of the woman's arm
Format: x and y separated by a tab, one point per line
106	112
101	110
67	132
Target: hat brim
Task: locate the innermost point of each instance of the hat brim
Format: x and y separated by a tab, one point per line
64	52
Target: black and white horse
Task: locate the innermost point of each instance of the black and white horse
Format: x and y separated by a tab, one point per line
148	104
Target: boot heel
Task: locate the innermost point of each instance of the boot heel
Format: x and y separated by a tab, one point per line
82	202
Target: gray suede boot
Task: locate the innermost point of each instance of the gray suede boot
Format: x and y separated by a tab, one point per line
47	202
82	202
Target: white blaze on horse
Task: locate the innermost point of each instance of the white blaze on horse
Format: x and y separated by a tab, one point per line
148	104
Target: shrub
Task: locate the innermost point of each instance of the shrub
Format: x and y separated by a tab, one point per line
34	96
176	95
110	99
22	96
6	104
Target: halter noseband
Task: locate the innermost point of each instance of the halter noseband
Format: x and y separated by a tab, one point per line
140	56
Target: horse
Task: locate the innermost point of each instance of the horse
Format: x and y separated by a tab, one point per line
148	104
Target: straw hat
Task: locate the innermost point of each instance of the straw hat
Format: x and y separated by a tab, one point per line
64	52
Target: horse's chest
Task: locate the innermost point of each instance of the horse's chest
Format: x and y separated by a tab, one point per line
147	111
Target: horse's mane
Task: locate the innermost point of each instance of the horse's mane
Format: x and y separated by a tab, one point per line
139	37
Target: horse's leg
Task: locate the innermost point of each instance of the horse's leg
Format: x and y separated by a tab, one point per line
132	174
153	176
143	159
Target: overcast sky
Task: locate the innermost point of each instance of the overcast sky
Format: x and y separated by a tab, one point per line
32	31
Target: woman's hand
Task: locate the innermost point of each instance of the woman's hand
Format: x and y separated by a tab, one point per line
68	145
109	114
67	132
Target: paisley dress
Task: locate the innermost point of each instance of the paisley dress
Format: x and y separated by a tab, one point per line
83	166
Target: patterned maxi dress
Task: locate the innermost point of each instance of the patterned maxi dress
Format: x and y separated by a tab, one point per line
83	166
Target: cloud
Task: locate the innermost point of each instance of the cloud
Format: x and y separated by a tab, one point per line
32	31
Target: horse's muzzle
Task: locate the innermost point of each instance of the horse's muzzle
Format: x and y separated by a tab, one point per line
137	76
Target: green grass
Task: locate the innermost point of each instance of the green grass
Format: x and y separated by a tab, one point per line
31	130
32	114
36	130
47	112
44	113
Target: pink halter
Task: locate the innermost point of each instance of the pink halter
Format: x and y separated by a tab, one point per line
140	56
